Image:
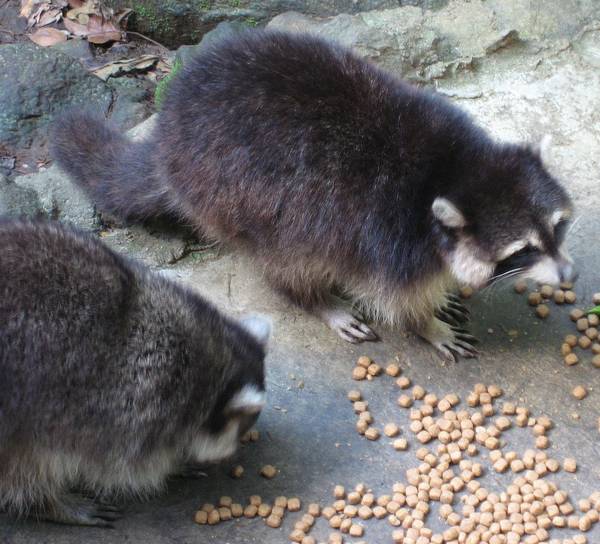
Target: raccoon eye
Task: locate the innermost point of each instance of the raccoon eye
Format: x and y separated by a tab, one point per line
560	230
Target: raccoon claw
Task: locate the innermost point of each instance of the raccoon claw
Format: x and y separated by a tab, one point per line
450	341
191	470
81	511
348	326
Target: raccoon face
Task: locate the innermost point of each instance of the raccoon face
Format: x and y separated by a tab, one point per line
237	408
509	219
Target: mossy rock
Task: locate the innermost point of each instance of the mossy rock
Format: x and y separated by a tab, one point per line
178	22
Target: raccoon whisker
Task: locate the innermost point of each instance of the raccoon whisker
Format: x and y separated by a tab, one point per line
573	224
504	275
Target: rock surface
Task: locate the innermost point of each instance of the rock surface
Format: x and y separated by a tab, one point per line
177	22
37	83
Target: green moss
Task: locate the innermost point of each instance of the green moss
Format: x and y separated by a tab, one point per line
151	20
250	21
163	84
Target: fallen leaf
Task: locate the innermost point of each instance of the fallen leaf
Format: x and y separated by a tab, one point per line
46	37
97	30
52	15
27	7
125	66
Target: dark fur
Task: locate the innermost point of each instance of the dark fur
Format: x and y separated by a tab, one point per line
319	164
106	367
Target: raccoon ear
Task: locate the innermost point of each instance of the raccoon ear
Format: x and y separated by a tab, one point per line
259	327
447	213
248	400
542	148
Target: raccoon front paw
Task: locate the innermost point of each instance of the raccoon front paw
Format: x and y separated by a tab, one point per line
451	341
453	311
349	326
76	510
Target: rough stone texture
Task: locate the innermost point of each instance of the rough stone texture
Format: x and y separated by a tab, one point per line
16	200
221	31
426	45
177	22
37	83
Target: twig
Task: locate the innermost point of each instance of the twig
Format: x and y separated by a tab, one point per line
11	34
147	39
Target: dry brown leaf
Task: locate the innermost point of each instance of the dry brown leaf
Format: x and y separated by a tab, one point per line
46	37
125	66
97	30
27	7
52	15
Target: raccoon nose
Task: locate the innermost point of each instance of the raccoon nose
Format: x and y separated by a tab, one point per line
567	271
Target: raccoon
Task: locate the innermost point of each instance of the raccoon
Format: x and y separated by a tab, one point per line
336	177
111	376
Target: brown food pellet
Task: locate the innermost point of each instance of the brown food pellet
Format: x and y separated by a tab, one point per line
534	298
201	517
403	382
225	501
596	299
308	540
250	511
374	369
592	333
213	517
237	510
392	370
296	535
339	492
579	392
565	349
559	296
372	433
596	348
576	314
237	472
355	530
571	340
314	510
582	324
268	471
584	342
359	373
594	320
391	430
542	311
293	504
405	401
264	510
256	500
546	291
466	292
354	395
571	359
364	361
520	287
400	444
570	297
596	361
418	392
570	465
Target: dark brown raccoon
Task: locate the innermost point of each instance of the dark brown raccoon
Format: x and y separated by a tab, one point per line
332	174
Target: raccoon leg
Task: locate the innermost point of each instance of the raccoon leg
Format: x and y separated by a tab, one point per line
77	510
347	322
450	340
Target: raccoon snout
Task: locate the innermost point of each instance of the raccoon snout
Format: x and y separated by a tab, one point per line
567	271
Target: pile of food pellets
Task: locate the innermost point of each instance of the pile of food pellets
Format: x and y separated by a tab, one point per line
454	442
586	335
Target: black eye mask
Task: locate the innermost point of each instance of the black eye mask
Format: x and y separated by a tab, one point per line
525	258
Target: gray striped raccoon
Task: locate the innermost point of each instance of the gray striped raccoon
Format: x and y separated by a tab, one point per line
333	174
111	376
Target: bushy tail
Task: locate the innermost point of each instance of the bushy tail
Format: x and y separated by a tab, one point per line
117	173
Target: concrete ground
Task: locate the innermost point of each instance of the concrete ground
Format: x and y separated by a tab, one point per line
307	429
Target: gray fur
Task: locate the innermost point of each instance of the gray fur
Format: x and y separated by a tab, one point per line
111	376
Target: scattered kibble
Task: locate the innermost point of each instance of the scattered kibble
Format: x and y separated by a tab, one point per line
268	471
579	392
570	465
542	311
237	472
